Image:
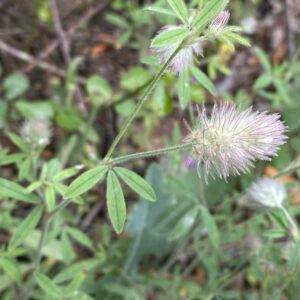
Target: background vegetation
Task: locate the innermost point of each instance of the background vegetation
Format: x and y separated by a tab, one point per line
80	67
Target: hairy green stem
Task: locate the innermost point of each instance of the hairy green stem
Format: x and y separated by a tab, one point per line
292	168
140	103
149	153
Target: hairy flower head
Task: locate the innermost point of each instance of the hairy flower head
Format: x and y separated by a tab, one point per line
184	57
266	192
36	133
229	141
220	22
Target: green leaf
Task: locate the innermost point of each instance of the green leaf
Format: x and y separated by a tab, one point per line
115	202
66	248
262	81
293	262
98	86
25	228
15	85
47	285
211	227
208	13
151	60
276	233
168	37
61	189
32	187
225	40
50	198
19	142
282	89
85	182
204	80
117	20
12	190
3	114
184	225
71	74
54	166
69	118
67	173
184	89
238	39
264	60
137	183
35	110
77	267
11	158
24	169
277	217
135	78
160	10
180	10
80	237
10	269
74	285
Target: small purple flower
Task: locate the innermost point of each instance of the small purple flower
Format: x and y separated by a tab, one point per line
189	162
230	141
184	57
220	22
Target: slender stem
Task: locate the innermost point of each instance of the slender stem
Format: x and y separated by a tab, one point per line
295	230
44	231
60	207
288	170
150	153
140	103
37	261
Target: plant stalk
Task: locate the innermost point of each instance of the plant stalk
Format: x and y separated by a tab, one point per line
140	103
45	228
149	153
37	261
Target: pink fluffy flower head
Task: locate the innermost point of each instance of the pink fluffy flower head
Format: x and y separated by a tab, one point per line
220	22
184	57
229	141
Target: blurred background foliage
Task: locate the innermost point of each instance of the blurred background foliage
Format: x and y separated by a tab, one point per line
196	241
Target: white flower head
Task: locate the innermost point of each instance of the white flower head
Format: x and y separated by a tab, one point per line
184	57
229	141
36	133
266	192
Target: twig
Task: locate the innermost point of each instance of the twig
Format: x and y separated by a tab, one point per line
28	58
291	34
60	32
92	214
65	47
85	18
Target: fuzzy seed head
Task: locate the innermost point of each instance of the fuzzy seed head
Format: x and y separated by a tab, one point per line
184	57
36	133
229	141
266	192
